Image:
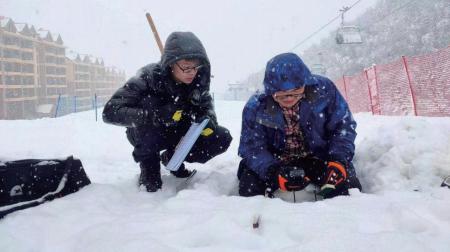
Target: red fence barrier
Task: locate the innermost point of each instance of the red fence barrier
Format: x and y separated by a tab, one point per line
417	85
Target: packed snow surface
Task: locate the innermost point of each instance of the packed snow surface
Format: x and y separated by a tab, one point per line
400	161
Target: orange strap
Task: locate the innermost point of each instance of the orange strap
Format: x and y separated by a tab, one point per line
281	182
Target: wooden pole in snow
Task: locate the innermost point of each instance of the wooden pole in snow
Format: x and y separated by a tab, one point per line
155	32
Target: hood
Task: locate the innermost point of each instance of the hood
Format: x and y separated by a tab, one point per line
183	45
286	71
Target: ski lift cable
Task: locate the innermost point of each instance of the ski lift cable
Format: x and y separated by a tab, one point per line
324	26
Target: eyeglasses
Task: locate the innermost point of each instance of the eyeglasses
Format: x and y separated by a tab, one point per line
287	96
189	69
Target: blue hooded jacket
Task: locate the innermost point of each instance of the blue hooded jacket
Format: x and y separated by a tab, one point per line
325	119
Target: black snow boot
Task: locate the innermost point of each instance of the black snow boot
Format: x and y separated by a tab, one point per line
150	177
182	172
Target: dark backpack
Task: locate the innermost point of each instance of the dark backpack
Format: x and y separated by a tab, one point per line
30	182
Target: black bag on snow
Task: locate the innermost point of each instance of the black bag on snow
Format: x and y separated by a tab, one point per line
30	182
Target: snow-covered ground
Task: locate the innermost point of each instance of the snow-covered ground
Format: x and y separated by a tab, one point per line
401	162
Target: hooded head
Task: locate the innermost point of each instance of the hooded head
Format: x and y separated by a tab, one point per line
286	71
183	45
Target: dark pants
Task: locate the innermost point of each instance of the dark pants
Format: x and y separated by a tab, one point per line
250	184
148	142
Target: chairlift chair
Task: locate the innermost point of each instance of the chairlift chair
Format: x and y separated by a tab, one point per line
348	34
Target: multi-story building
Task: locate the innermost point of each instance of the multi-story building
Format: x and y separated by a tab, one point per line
80	83
106	87
51	62
38	79
18	70
89	79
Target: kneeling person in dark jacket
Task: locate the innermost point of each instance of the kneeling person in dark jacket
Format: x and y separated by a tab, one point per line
299	131
160	103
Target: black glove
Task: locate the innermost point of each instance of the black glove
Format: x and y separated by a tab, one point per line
271	179
336	175
167	115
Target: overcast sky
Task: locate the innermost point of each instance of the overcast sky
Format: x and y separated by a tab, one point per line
240	36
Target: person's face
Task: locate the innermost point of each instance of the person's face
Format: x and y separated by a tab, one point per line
185	70
289	98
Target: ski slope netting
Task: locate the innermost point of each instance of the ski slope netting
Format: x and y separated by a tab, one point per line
416	85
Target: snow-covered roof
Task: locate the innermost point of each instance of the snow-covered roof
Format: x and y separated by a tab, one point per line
59	40
87	59
4	21
33	31
72	55
21	26
45	35
8	24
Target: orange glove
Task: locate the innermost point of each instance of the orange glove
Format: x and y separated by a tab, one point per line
336	175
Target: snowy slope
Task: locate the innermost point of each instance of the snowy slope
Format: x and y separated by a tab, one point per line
400	160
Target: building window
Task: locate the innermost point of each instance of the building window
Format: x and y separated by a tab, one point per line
14	110
50	59
82	85
60	60
84	77
84	93
11	54
51	49
51	81
27	68
81	68
29	109
27	43
61	71
27	80
10	40
50	70
27	56
62	81
13	80
13	92
11	67
28	92
61	90
52	91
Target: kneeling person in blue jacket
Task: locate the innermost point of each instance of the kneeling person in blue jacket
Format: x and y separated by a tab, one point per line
299	131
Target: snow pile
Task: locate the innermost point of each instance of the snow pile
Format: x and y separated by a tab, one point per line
400	161
395	153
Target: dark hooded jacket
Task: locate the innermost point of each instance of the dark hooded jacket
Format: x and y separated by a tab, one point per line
140	101
325	119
